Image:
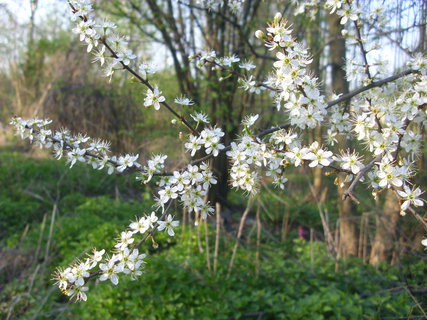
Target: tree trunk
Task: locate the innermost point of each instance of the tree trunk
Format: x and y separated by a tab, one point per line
348	226
386	233
346	208
317	193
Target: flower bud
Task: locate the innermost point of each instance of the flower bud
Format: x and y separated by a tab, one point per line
277	18
259	34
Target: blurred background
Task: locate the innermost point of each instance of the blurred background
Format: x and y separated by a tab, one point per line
303	253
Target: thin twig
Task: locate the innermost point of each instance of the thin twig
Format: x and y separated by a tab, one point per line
49	239
239	234
372	85
409	291
39	241
362	172
138	77
258	240
208	256
218	229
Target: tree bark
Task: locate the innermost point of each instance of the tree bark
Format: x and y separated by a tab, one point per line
347	212
317	193
386	233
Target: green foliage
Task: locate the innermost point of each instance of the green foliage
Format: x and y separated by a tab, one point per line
177	285
296	279
31	186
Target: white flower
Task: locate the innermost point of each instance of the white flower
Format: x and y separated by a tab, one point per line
228	61
250	85
78	273
127	161
180	180
118	42
297	155
424	242
333	5
419	63
140	226
200	117
283	137
168	224
280	182
109	271
61	277
99	56
210	137
347	13
206	210
110	69
154	98
250	120
78	292
331	137
193	145
206	56
248	65
184	101
126	259
152	219
350	161
388	176
259	34
85	29
207	177
319	158
125	240
168	193
125	57
145	69
193	174
410	197
107	25
96	257
76	155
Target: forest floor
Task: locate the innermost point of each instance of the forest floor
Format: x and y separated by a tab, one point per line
273	277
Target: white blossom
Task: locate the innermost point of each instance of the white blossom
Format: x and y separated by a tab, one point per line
154	98
169	224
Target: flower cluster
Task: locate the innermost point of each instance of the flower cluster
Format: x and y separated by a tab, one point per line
126	259
209	138
295	90
72	280
232	62
117	56
283	149
233	5
190	186
75	148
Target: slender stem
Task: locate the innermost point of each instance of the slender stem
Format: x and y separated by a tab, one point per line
217	232
362	172
141	79
149	234
373	84
239	234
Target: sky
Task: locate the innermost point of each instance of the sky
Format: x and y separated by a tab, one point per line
57	12
22	8
14	20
